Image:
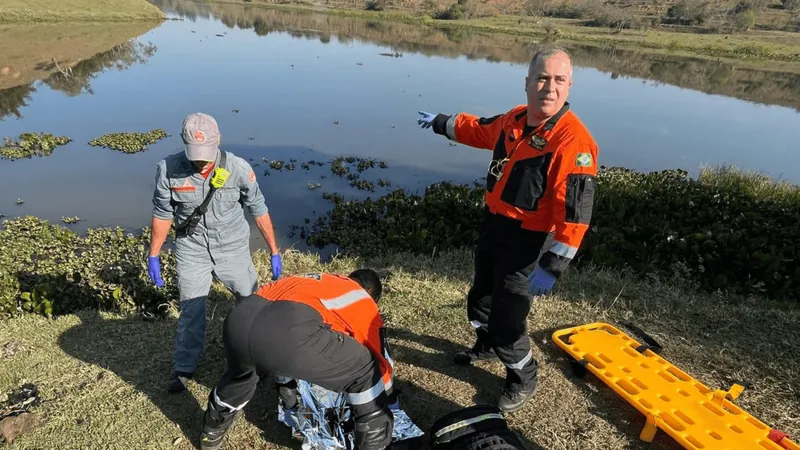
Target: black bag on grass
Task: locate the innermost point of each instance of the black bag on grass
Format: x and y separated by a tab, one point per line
474	428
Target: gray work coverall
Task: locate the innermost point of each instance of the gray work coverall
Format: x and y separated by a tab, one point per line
220	244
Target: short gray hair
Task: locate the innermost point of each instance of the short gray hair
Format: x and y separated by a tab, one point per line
547	52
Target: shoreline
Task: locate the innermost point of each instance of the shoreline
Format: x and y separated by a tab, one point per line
740	46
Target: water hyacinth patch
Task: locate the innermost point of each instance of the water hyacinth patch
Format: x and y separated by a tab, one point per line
129	142
28	145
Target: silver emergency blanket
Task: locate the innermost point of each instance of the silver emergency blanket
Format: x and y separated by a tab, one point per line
319	420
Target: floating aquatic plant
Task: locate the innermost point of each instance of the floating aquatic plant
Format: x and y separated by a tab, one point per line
130	142
28	145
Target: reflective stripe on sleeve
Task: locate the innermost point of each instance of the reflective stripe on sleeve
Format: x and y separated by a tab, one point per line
345	300
522	362
451	127
564	250
364	397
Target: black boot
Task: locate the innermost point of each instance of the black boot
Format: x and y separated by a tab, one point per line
515	395
215	424
481	351
179	381
373	431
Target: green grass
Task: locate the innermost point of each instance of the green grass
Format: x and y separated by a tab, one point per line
78	11
102	376
757	45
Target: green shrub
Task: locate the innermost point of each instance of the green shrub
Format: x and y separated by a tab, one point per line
688	12
48	269
723	230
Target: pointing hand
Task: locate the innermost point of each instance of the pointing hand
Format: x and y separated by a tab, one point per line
426	120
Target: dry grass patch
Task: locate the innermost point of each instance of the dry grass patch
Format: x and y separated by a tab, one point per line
78	10
102	376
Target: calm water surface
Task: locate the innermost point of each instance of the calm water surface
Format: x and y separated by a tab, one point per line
291	76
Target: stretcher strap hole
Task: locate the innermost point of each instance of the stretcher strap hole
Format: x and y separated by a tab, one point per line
735	429
565	338
631	352
686	418
645	403
626	386
695	442
594	361
677	373
638	383
604	358
666	376
756	423
626	370
713	409
715	435
664	398
683	393
673	423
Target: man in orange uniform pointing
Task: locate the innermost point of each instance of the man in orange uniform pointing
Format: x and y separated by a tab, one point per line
322	328
539	198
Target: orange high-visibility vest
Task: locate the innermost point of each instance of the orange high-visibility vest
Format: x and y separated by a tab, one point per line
345	306
543	177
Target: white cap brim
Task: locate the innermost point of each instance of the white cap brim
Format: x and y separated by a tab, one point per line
195	152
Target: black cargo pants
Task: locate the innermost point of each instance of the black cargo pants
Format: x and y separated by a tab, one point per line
290	340
498	302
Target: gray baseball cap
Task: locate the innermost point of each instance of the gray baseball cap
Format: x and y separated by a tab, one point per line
201	137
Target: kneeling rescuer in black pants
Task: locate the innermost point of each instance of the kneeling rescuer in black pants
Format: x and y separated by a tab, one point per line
322	328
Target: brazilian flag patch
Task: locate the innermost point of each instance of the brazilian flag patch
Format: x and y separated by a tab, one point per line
583	160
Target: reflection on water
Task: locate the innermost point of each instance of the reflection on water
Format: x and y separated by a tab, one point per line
76	80
289	85
768	83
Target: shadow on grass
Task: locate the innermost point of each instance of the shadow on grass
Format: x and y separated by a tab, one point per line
139	351
426	407
605	403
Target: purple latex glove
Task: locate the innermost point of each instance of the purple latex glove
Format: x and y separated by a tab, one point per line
277	266
154	270
541	281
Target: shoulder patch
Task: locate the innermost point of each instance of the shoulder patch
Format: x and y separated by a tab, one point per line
584	160
252	176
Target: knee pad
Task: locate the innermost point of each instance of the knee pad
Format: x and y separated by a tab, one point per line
373	431
474	428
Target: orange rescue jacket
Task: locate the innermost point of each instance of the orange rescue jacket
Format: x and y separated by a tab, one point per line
543	177
345	306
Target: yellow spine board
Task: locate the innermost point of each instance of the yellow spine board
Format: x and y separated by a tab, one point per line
691	413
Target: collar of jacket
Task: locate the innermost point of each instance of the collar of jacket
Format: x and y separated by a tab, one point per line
551	122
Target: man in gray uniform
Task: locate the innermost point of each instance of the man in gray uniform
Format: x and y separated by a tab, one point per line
203	190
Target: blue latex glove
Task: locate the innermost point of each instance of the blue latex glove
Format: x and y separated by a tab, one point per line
426	120
154	270
277	266
540	281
